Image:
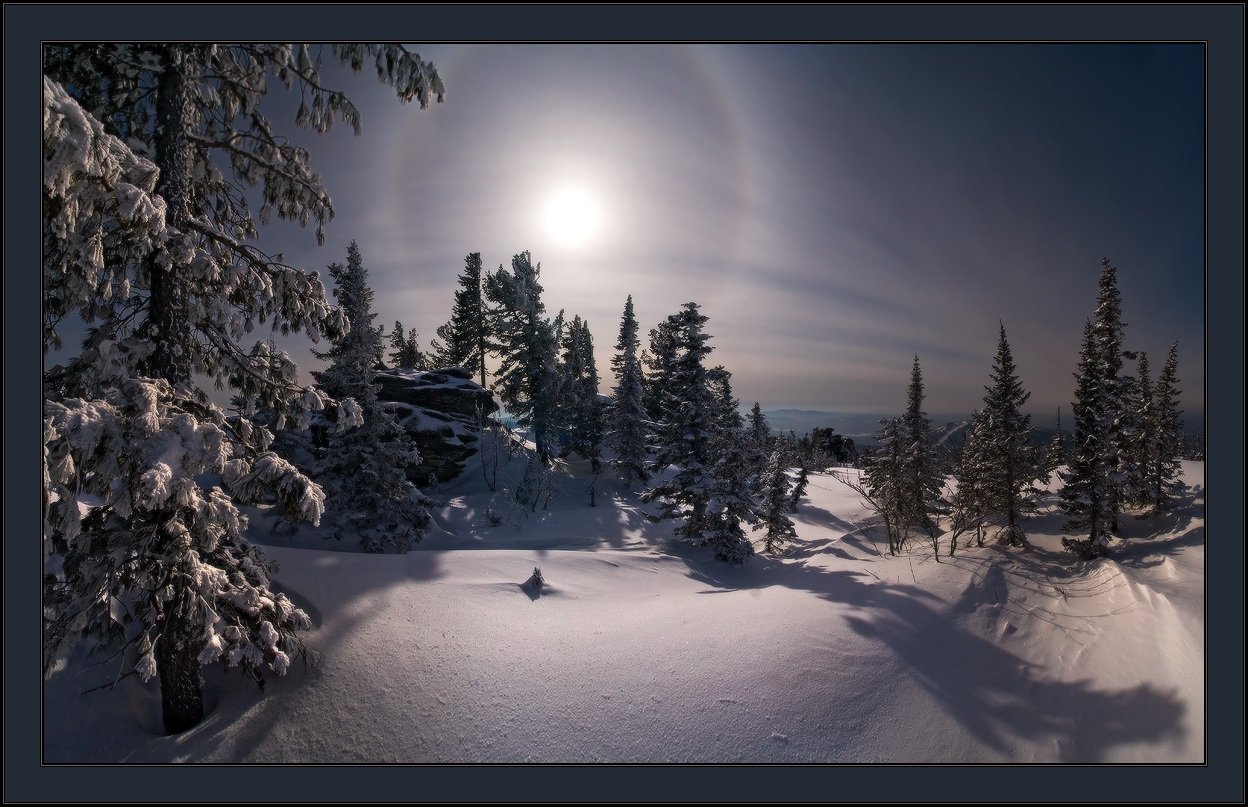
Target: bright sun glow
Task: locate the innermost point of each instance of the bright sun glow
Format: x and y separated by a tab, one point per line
571	217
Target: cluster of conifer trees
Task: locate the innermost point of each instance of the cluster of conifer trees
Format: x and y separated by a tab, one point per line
1128	438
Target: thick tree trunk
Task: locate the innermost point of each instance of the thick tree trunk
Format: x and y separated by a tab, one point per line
177	664
167	322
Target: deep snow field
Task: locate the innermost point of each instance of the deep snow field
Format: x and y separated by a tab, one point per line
641	649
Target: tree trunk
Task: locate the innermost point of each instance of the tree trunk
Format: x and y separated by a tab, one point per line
167	322
177	664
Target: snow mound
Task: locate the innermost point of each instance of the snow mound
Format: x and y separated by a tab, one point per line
637	649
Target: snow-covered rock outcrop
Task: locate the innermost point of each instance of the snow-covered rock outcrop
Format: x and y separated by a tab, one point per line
442	409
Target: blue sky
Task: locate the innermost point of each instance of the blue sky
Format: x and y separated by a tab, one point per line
835	209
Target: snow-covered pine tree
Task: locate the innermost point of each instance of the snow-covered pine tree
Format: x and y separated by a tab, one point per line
732	502
688	427
581	409
364	471
1108	327
727	408
1085	492
527	343
799	486
465	337
776	503
758	444
626	419
1140	441
1007	457
154	252
760	432
968	504
405	352
1167	432
884	482
1055	452
659	363
921	476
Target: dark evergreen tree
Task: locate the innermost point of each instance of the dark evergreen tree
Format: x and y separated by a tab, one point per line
777	501
758	443
1118	425
921	477
527	343
884	482
731	502
687	429
799	487
465	338
1141	440
153	249
1055	451
969	507
626	418
659	363
727	408
1167	433
582	414
760	432
1086	490
1007	457
405	352
365	469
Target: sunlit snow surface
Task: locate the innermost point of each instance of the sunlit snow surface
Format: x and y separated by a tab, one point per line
642	650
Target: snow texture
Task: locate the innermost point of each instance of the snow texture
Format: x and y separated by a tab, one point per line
641	649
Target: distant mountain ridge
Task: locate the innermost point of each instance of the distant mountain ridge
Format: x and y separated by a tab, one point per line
951	434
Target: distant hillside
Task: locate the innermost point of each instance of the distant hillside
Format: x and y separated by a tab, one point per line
855	425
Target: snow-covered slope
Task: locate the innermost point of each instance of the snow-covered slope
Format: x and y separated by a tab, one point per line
638	649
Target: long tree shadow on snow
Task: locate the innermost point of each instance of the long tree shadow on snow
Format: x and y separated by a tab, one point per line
994	694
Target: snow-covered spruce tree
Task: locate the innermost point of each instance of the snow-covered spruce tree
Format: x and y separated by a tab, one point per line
968	505
527	343
1054	455
659	363
405	352
1140	442
799	486
581	409
687	429
1085	492
465	338
155	256
758	443
626	418
364	470
921	476
776	503
884	483
1118	426
732	502
727	408
1167	433
1006	455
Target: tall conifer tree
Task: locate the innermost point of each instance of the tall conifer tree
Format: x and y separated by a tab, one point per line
465	338
527	343
626	418
1167	432
158	250
365	470
1086	490
1007	456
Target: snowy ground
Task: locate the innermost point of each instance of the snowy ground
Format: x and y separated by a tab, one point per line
642	650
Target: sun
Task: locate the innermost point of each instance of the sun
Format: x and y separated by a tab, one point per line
571	217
